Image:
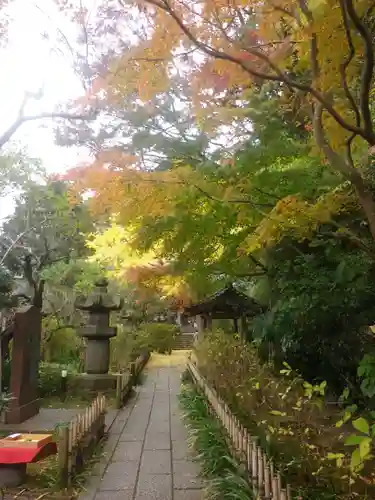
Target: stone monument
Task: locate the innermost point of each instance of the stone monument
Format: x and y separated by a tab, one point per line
25	365
97	334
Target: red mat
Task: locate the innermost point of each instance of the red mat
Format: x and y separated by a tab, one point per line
26	455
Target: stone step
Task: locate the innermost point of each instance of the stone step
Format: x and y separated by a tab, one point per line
184	341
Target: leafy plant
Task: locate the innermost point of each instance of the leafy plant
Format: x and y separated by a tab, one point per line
366	372
207	437
49	382
158	337
5	401
288	414
322	299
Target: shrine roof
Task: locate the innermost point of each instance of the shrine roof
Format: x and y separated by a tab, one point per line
226	303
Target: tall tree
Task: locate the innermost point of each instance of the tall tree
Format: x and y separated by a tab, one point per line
320	52
212	222
46	227
17	170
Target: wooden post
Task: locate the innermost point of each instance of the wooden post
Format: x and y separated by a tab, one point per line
267	483
249	454
260	472
63	456
118	392
279	484
289	492
254	467
133	374
275	489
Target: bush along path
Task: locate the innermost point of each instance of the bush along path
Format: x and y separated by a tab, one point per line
146	455
223	474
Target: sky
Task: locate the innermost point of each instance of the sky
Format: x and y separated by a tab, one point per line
29	62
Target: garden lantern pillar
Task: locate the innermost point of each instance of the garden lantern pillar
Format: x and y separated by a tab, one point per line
99	304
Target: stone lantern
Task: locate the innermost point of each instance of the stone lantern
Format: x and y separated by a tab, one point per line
97	332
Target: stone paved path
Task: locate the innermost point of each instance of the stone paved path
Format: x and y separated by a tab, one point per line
147	456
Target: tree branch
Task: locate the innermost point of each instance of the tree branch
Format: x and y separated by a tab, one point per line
257	262
367	70
7	135
280	76
345	64
18	238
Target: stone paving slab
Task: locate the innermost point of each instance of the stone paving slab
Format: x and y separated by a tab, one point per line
128	451
156	462
158	441
186	475
154	486
188	495
146	456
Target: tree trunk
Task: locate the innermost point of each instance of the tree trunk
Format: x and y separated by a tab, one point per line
38	294
367	201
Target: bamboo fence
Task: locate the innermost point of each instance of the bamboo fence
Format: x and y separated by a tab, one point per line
125	381
77	439
124	385
265	480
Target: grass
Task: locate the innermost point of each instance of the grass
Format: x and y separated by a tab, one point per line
225	480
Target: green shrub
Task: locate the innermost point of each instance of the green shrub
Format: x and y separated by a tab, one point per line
157	337
321	302
123	348
366	372
60	345
298	432
49	383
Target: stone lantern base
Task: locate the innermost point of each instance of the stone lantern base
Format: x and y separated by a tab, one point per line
97	356
94	382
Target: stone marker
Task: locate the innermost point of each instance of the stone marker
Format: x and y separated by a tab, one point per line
25	365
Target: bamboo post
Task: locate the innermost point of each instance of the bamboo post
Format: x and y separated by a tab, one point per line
244	443
235	435
254	467
249	455
118	392
267	483
283	495
73	432
289	492
260	472
240	440
279	484
275	489
80	426
63	455
133	373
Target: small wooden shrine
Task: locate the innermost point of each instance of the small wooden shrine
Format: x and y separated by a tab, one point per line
227	303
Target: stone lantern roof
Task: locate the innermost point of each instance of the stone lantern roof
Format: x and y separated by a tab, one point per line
99	300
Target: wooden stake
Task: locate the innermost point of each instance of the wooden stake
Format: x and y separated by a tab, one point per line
267	483
63	455
118	392
289	492
275	489
260	472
